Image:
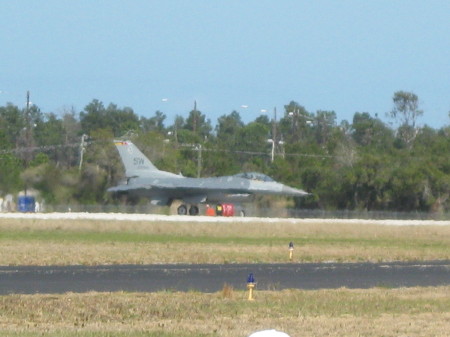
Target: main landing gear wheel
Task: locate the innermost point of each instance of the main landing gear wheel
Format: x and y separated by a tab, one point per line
193	210
182	210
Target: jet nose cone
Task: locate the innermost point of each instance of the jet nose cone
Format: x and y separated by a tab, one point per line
293	191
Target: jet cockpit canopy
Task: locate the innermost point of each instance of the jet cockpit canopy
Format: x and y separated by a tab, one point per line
254	176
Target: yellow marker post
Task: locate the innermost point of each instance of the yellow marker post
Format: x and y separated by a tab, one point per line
291	250
250	286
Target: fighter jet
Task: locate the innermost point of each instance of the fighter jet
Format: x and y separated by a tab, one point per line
162	188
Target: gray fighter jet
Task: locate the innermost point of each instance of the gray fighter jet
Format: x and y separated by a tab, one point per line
161	187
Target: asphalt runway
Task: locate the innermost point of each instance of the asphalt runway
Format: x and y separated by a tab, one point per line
211	278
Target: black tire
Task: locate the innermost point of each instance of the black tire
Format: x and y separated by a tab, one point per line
193	210
182	210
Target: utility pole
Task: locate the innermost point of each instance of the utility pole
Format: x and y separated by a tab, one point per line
28	106
28	131
274	132
27	141
274	124
27	120
195	126
199	160
196	130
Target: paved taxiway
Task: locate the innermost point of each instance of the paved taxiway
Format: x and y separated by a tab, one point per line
211	278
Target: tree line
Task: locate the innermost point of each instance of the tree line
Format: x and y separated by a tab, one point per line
363	164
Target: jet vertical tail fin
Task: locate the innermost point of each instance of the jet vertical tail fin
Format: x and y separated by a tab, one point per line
135	162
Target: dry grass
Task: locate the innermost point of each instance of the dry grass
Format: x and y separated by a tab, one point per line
342	312
52	242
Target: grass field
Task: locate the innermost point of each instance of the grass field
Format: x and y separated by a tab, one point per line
69	242
342	312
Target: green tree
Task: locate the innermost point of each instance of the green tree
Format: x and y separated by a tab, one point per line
49	131
323	124
173	130
406	112
155	123
122	120
10	168
228	127
253	138
119	121
351	166
296	123
368	131
12	123
33	117
72	136
93	117
428	148
198	124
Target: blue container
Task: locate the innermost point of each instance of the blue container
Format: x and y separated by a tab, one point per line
26	204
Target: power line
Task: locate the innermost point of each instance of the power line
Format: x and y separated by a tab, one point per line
44	148
255	153
47	148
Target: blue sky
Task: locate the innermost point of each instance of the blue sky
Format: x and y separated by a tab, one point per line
348	56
